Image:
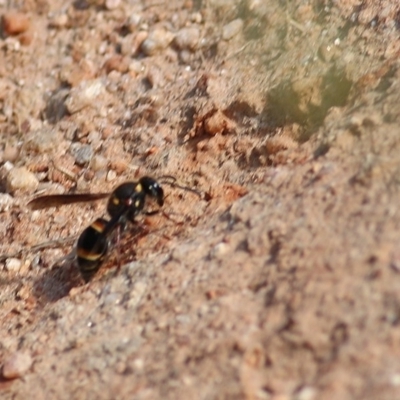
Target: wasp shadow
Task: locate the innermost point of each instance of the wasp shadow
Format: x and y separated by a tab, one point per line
56	282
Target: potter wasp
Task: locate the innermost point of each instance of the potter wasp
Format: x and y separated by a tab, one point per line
124	204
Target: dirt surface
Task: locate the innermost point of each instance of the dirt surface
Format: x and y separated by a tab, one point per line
280	277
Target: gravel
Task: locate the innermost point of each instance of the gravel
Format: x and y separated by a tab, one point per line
16	365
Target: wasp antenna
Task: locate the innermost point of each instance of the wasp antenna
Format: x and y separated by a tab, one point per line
194	191
167	178
172	181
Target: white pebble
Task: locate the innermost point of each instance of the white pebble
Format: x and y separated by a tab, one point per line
156	41
16	365
13	264
59	21
307	393
187	38
84	95
21	179
7	167
232	29
136	294
133	21
220	250
136	66
6	202
111	175
138	364
254	4
395	380
196	17
112	4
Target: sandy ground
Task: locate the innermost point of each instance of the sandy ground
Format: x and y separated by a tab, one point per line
280	279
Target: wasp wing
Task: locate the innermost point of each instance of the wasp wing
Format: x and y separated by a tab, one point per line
55	200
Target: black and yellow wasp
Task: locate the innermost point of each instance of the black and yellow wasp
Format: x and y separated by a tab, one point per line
124	204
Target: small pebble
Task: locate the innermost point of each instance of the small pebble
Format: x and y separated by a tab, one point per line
306	393
155	77
59	21
112	4
156	41
15	23
253	4
217	123
220	250
98	163
84	95
140	37
44	140
75	74
24	292
127	48
116	62
94	138
221	4
395	380
102	47
119	166
138	364
107	132
21	179
232	29
187	38
111	175
112	299
136	294
196	17
12	44
10	153
327	52
184	56
88	175
134	21
6	167
136	66
13	264
26	38
16	365
82	153
6	202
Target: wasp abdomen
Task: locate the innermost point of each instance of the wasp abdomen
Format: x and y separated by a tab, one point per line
91	248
